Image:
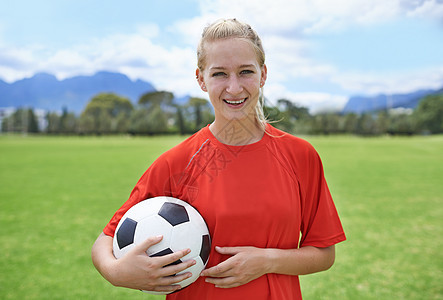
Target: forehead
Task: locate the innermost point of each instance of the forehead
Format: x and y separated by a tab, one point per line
230	52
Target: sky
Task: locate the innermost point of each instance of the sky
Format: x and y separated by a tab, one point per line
318	52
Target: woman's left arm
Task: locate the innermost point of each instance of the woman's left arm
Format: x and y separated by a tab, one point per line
249	263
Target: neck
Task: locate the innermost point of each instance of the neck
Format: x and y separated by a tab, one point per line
236	132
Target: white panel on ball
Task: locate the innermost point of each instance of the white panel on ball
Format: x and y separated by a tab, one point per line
180	224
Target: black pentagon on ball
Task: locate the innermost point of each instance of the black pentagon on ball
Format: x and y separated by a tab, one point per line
174	213
205	248
166	252
125	234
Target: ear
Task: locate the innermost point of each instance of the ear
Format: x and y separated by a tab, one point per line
264	75
200	80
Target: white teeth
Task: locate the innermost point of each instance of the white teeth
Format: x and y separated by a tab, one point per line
236	102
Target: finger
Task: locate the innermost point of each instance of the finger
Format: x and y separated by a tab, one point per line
226	282
228	250
165	288
219	270
175	269
168	259
173	280
149	242
168	283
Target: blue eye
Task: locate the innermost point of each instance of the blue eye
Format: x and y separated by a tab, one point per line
218	74
247	72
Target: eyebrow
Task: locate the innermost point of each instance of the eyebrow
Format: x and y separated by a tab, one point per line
241	67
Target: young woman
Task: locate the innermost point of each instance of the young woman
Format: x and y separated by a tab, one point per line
261	191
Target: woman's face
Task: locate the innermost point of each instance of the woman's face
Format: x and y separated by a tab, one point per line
232	77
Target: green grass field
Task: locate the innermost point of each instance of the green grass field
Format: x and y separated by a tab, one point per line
57	193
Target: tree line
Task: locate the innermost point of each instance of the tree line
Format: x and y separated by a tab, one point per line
158	113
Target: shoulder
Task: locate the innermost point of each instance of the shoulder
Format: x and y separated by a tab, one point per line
294	153
290	144
181	154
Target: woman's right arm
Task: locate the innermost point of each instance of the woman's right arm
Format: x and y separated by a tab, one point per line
136	269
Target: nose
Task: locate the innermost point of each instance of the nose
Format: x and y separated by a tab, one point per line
234	85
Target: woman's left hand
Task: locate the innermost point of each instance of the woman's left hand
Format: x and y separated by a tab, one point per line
245	265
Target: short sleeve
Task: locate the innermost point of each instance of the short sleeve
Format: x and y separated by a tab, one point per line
321	225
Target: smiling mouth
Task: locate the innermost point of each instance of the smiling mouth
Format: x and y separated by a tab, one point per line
237	102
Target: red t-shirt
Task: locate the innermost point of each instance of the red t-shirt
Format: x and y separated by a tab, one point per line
269	194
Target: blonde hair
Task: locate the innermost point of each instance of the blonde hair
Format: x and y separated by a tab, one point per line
232	28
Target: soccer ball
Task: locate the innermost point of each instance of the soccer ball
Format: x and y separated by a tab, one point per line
180	224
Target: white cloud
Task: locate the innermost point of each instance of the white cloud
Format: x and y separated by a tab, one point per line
314	16
391	83
17	63
315	101
134	55
431	9
138	57
285	27
149	30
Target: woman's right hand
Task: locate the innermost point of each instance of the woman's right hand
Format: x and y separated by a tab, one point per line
137	270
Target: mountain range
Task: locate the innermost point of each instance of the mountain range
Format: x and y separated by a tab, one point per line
362	104
46	92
